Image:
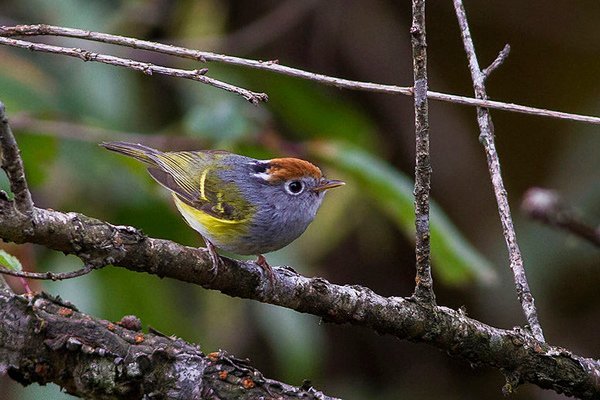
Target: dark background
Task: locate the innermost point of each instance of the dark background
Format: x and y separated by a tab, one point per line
356	238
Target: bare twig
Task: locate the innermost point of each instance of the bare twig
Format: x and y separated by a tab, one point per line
546	206
146	68
497	62
510	107
35	30
54	276
13	166
487	139
424	284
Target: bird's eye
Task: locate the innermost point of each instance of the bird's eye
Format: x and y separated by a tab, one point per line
294	187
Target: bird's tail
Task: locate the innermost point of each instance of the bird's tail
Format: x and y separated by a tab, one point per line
140	152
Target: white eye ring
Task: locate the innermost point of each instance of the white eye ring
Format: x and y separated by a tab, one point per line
294	187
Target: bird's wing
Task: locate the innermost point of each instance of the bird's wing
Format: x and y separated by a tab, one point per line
194	179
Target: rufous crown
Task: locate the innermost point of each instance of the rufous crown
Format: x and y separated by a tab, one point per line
284	169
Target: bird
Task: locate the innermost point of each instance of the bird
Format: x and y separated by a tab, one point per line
239	204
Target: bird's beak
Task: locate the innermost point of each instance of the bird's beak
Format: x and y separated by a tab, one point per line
327	184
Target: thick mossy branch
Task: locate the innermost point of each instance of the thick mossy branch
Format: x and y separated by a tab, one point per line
515	352
45	340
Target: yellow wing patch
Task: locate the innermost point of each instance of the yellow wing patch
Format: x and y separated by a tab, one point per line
202	183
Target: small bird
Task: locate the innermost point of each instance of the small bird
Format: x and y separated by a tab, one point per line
237	203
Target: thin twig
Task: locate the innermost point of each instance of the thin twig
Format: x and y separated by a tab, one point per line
53	276
273	66
487	139
424	283
503	55
13	166
510	107
546	206
145	67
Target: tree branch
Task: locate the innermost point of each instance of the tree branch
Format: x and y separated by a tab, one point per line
13	166
43	340
546	206
502	56
145	67
273	66
515	352
424	283
486	137
52	276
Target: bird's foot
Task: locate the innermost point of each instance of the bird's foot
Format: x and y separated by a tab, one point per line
262	262
214	257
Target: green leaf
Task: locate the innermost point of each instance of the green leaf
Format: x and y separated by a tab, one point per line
455	259
9	261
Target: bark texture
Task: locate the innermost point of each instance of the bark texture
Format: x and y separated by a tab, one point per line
424	282
43	340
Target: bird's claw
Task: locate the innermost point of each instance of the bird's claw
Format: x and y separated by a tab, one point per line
214	257
262	262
